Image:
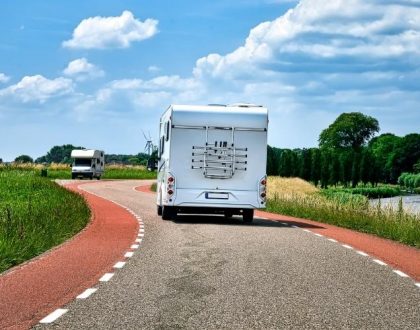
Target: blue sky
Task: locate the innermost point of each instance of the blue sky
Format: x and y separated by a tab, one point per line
95	73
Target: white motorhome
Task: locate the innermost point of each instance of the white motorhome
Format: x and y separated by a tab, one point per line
87	163
212	159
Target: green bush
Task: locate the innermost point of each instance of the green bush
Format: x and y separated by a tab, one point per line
369	192
409	181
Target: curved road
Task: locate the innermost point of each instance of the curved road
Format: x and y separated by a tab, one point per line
206	272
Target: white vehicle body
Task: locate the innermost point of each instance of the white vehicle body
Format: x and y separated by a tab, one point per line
87	163
212	159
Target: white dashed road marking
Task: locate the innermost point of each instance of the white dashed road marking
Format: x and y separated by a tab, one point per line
119	264
319	235
106	277
347	246
129	254
362	253
85	294
135	246
54	315
332	240
418	285
379	262
400	273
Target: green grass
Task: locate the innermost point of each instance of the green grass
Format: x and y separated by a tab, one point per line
35	215
138	172
370	192
346	210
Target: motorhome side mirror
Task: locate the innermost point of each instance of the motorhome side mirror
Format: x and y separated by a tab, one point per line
71	165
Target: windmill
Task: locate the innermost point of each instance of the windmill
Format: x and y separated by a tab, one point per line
148	149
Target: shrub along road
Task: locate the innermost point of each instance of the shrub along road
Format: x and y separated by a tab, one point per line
208	272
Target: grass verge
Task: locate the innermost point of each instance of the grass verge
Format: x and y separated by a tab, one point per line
35	215
153	187
298	198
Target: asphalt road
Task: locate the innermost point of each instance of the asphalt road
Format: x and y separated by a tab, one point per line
204	272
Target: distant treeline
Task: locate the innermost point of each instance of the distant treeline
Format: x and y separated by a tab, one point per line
61	154
383	159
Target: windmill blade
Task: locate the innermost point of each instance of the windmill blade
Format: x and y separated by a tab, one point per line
145	137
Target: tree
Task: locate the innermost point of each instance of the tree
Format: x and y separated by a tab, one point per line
407	154
24	159
355	170
305	169
58	154
334	169
346	163
349	130
315	166
325	167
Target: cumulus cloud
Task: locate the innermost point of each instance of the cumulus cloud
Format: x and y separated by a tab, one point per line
38	88
111	32
81	69
318	30
3	78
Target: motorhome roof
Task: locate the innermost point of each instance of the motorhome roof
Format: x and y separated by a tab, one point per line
85	153
249	116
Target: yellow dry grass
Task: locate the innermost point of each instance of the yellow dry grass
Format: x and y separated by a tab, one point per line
289	186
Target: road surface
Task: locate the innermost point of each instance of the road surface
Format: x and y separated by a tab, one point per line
204	272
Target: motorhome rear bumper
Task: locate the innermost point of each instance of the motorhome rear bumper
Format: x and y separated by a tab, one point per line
233	199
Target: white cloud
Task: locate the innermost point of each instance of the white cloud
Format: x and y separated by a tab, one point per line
38	88
82	69
111	32
3	78
153	69
316	29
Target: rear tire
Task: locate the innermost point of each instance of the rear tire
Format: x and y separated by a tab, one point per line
168	213
73	176
159	210
248	215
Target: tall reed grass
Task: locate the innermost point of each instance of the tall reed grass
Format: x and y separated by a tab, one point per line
298	198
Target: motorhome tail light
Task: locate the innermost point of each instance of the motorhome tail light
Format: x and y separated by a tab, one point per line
262	189
170	187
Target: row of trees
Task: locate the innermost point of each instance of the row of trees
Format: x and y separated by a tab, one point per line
347	154
61	154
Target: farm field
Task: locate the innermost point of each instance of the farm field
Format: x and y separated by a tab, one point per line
35	215
296	197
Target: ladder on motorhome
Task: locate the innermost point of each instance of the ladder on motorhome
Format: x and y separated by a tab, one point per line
219	159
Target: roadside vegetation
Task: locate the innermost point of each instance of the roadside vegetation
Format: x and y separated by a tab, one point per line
63	171
298	198
35	215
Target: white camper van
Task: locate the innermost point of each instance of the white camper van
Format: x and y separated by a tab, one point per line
212	159
87	163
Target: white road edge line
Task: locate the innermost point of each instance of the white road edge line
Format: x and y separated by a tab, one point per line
308	231
106	277
418	284
379	262
138	240
400	273
85	294
284	224
332	240
54	315
293	226
135	246
119	264
319	235
347	246
129	254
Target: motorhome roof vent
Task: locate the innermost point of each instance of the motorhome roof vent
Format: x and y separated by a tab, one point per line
244	105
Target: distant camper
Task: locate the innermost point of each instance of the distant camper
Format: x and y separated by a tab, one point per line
212	159
87	163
